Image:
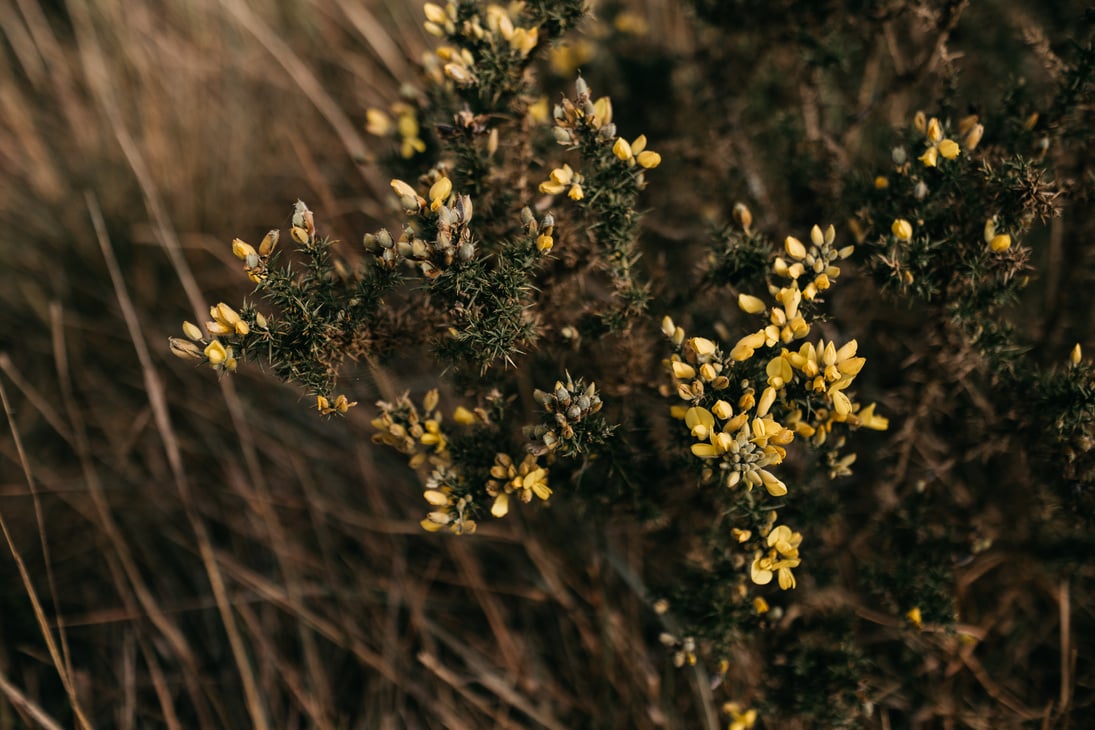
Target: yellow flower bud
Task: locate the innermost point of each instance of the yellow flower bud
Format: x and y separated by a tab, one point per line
990	229
902	229
215	353
602	110
576	192
973	137
1000	243
638	144
920	122
881	182
648	159
299	234
935	132
1076	355
544	243
743	216
795	248
622	149
269	241
192	331
242	250
458	73
377	123
435	13
463	416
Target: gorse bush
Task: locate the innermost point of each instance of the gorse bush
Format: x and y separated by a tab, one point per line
516	275
716	365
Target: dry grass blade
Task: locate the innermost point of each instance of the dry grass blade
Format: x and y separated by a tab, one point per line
25	705
47	633
158	401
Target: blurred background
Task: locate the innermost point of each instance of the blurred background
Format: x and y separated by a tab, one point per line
213	554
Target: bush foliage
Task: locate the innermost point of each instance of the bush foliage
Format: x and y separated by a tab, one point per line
638	365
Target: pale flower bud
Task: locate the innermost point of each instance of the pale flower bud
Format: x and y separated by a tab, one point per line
192	331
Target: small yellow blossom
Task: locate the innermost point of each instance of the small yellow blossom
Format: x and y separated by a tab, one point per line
564	179
902	229
780	559
881	182
760	605
740	718
938	146
463	416
1076	355
1000	242
648	159
914	616
439	192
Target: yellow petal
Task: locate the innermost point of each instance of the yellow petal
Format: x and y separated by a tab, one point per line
795	248
750	304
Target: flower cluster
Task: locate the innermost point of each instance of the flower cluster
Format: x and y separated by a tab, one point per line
523	480
224	322
446	216
568	428
740	435
936	144
456	491
400	123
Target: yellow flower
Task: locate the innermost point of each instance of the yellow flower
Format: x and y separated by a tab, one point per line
563	179
378	123
937	145
439	192
1000	242
915	617
242	250
648	159
902	229
740	719
1076	355
781	557
700	422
